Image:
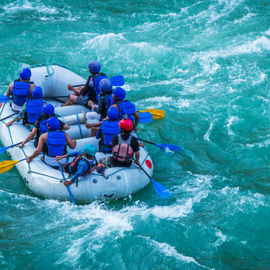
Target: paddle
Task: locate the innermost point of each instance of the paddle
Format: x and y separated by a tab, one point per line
145	117
64	178
8	116
157	114
160	189
4	98
164	147
116	81
3	149
6	165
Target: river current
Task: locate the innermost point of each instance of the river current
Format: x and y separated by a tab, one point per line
206	64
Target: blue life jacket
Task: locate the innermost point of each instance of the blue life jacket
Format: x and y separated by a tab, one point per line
97	79
109	129
34	108
20	91
126	109
43	126
109	101
56	143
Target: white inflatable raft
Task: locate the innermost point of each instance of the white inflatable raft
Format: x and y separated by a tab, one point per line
46	181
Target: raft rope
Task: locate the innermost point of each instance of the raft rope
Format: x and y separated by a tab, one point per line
79	125
48	70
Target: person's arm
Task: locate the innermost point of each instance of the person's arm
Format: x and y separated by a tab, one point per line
70	143
63	125
42	140
29	137
10	122
86	87
9	90
73	154
137	157
66	127
136	148
137	119
32	86
114	141
60	157
18	117
101	105
93	125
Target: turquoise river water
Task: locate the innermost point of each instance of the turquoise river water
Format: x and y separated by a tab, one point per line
206	63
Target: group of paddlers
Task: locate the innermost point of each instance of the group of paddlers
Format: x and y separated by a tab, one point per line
116	119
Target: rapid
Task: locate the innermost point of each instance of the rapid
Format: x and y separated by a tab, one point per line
207	64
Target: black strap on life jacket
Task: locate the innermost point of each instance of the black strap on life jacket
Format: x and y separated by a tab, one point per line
74	164
127	157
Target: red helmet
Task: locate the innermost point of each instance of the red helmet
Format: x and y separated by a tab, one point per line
126	124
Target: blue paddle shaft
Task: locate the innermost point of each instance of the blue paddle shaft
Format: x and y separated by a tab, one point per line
64	178
160	189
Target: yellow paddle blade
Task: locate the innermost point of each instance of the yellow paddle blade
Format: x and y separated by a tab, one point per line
7	165
157	114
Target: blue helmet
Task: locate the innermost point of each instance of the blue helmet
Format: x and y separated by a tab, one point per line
113	113
94	66
37	92
53	123
25	73
120	93
106	85
89	149
48	109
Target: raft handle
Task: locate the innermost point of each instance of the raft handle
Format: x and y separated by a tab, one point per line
108	196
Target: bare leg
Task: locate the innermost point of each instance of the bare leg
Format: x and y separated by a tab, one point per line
71	101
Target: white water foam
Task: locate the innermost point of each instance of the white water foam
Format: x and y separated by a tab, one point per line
230	122
245	18
221	238
162	101
171	251
267	32
215	12
103	40
208	132
39	7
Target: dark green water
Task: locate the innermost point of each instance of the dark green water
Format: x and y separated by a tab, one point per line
206	63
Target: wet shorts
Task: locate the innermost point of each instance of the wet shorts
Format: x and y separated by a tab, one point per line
82	100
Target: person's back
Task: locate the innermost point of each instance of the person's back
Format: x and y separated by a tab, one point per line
108	130
21	89
52	143
125	145
34	106
126	109
56	142
122	152
91	90
41	122
105	101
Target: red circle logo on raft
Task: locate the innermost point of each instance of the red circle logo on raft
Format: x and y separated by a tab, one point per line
148	163
1	105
